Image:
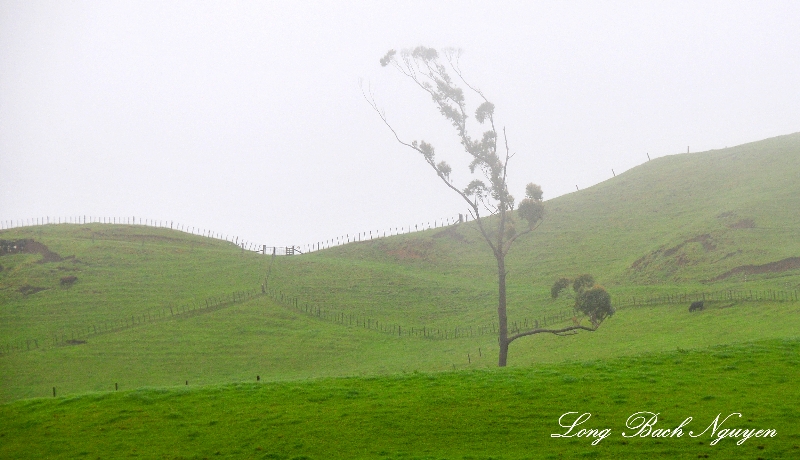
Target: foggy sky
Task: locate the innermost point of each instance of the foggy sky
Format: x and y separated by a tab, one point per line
248	119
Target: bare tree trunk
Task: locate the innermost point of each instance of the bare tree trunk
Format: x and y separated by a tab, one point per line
502	316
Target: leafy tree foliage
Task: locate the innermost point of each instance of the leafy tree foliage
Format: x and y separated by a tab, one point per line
582	283
595	303
591	299
559	286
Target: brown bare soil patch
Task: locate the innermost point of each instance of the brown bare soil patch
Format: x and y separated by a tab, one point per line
640	262
681	260
706	240
68	280
743	223
28	289
730	254
28	246
450	232
790	263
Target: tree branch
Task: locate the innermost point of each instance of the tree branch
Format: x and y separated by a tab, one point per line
457	69
570	330
514	238
473	204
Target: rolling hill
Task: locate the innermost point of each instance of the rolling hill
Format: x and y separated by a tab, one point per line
158	343
153	306
682	224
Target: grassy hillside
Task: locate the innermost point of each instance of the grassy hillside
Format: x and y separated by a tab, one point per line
122	271
261	338
700	222
497	414
686	218
669	226
385	348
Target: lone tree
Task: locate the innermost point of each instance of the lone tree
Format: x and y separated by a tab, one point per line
425	67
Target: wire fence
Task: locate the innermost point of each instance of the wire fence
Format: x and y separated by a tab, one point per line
77	336
428	332
236	240
560	317
714	296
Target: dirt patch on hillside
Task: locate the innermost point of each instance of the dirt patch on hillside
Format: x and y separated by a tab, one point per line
735	222
730	254
28	289
790	263
743	223
68	281
640	263
28	246
450	232
680	259
705	240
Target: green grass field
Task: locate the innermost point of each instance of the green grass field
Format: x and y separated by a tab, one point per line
477	414
408	321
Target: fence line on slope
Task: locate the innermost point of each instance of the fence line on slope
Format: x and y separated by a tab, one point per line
78	336
724	295
560	317
235	240
393	328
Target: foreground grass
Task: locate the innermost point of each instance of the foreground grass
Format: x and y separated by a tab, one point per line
478	414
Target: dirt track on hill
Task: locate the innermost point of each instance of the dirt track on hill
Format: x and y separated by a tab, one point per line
773	267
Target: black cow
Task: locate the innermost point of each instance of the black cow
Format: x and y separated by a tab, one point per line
696	306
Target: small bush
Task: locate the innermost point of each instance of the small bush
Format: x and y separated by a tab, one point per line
559	286
583	282
595	303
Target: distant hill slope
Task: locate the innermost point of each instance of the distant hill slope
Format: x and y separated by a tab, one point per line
118	272
680	218
688	223
688	218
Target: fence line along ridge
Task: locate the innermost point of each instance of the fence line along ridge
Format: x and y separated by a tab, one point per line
235	240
